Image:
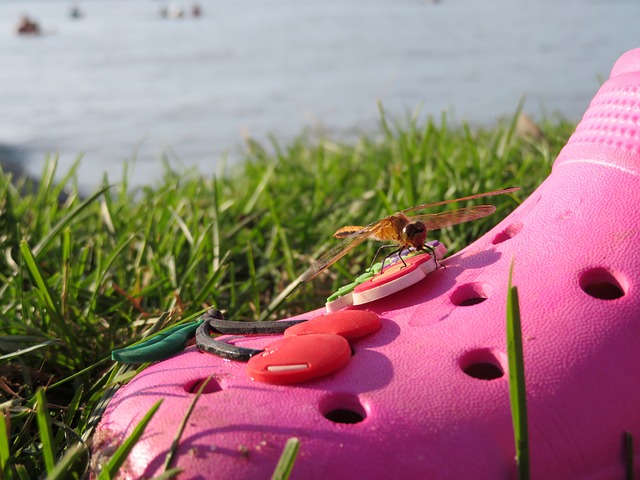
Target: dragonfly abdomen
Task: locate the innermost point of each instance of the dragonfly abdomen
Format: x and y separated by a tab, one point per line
387	230
347	231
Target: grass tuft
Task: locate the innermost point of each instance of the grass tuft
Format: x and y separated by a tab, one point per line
81	276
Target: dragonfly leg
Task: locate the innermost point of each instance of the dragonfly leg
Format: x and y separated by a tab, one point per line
432	252
397	250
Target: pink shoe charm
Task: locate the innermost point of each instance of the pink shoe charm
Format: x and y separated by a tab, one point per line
421	390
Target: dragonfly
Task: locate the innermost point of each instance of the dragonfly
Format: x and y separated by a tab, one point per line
402	230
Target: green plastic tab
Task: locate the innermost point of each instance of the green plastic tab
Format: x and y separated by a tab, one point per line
159	347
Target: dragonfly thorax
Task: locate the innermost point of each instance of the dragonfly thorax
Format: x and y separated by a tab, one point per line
414	234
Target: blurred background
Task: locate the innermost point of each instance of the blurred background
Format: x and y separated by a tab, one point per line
116	80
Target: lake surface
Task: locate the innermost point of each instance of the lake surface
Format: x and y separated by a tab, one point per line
124	82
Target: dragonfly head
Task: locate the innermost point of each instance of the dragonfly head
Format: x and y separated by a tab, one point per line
415	234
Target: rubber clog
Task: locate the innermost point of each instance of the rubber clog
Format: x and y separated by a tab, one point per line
426	396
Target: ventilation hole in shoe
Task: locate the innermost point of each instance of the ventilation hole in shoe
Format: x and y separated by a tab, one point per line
342	408
484	371
508	233
470	294
212	385
483	364
603	284
342	415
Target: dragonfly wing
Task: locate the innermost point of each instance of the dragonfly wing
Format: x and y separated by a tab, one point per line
340	250
463	199
454	217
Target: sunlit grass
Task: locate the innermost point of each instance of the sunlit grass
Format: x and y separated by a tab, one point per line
287	460
87	275
517	384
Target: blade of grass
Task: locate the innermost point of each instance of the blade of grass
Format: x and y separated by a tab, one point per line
44	426
194	260
68	218
182	225
22	472
29	349
105	214
171	473
115	462
5	454
46	180
281	297
38	280
70	414
287	460
66	271
173	449
80	372
517	390
61	187
97	403
628	447
282	236
213	280
252	283
52	307
251	202
72	455
215	223
113	256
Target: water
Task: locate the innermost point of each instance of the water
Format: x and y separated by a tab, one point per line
123	82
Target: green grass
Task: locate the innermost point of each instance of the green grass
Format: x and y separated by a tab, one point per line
83	277
517	385
287	460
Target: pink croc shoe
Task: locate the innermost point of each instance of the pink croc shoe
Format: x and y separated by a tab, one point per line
418	389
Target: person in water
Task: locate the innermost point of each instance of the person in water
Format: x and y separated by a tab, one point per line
28	26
